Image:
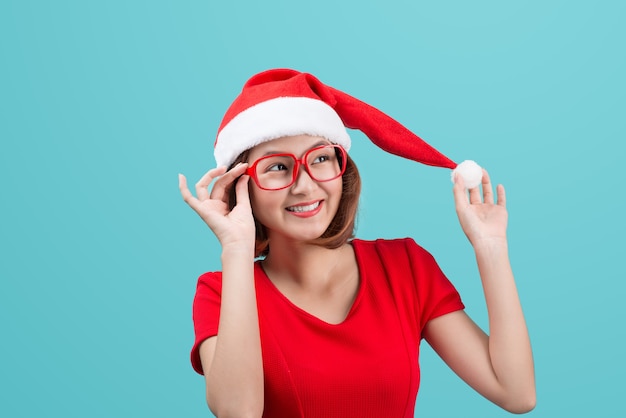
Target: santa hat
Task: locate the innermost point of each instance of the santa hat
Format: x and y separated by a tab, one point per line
284	102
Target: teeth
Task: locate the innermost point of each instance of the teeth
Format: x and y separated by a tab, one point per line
303	208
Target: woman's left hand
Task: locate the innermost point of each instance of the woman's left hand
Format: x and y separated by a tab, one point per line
481	218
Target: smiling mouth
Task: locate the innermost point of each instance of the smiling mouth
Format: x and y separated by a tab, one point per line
306	208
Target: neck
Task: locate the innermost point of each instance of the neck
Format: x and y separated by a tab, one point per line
304	265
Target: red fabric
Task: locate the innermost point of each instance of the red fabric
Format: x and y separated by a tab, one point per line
387	133
273	84
367	366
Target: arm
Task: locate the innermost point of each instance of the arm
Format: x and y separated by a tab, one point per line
499	365
231	361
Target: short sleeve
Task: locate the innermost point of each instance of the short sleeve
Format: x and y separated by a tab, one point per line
436	295
206	313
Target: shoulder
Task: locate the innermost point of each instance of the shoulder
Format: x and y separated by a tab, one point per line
210	277
400	255
393	245
210	280
213	280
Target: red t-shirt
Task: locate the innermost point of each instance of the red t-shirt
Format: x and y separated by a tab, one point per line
366	366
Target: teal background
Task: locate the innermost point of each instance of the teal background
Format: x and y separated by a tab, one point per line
103	103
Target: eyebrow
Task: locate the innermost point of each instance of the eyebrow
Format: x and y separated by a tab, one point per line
317	144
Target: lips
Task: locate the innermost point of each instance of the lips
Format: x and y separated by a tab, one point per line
304	208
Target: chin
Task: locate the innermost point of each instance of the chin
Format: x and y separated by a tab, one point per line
300	234
308	237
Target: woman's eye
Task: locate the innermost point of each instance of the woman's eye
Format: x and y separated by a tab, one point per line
276	167
321	159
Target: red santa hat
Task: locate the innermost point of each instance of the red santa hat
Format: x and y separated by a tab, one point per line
284	102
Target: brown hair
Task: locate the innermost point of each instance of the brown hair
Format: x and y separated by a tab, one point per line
341	228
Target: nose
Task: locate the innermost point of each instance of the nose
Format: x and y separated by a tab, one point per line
304	183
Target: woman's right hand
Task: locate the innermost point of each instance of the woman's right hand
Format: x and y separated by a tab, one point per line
231	227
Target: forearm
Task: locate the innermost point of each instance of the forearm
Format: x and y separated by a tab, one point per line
235	378
509	343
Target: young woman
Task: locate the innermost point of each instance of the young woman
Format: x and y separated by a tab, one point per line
305	321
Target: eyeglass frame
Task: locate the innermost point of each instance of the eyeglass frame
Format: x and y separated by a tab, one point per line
342	160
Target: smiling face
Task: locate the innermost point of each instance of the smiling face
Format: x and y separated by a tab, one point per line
302	211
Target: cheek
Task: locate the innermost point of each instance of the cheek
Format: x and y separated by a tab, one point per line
263	203
334	192
336	189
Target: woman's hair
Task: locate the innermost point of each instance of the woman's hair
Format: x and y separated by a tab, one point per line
341	228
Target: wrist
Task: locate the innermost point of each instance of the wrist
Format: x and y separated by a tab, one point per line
239	250
497	245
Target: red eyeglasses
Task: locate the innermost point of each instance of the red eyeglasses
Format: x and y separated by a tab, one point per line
279	171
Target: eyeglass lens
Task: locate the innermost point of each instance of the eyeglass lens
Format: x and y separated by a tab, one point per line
277	171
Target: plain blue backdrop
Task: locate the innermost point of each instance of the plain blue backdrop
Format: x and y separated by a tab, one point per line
103	103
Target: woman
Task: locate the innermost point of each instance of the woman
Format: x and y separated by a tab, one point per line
323	325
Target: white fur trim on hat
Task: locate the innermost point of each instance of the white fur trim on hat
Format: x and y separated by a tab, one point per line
276	118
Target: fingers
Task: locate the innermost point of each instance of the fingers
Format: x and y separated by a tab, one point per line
184	190
475	197
241	189
226	181
460	196
501	195
220	189
202	186
487	190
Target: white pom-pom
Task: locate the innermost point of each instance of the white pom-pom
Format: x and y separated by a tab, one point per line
470	172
